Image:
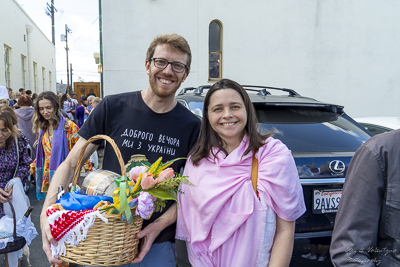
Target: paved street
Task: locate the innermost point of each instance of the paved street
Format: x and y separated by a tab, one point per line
37	256
298	261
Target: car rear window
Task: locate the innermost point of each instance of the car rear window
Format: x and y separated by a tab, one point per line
305	129
196	105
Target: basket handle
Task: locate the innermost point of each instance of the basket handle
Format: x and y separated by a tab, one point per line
82	153
14	217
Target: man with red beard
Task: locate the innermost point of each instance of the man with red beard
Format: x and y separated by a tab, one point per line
148	122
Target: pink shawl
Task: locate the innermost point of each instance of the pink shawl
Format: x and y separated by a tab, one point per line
221	218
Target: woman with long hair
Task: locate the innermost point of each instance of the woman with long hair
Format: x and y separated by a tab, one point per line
224	220
56	137
66	106
14	172
34	97
14	158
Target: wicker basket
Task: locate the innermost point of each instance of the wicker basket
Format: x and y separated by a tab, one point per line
111	244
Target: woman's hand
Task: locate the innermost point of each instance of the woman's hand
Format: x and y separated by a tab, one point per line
5	195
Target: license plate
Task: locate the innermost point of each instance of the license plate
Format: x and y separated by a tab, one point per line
326	200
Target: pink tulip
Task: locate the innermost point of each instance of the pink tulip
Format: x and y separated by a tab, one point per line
148	181
135	171
165	174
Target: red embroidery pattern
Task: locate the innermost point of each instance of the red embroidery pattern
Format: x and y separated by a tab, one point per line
65	222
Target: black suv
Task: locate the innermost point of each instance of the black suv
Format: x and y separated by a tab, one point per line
322	139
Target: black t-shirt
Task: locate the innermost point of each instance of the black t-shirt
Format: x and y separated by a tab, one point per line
137	129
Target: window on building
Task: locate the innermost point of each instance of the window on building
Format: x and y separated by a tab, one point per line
215	50
44	78
50	81
35	81
23	71
7	65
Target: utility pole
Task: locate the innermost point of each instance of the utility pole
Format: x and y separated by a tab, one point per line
50	12
101	47
67	30
70	65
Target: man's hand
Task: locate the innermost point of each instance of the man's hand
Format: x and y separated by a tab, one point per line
151	231
48	239
63	177
147	236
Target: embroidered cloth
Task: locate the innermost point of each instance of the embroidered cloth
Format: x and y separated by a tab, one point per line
70	227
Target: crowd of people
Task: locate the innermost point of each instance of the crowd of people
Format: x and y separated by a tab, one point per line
38	124
247	194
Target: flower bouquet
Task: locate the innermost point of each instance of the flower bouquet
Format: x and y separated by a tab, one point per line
100	230
146	190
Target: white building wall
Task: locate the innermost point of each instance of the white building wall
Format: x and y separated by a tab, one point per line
345	52
21	34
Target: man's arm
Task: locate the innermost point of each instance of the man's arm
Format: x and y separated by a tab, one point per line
357	220
151	231
63	176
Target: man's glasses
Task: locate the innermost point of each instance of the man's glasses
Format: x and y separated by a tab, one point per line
163	63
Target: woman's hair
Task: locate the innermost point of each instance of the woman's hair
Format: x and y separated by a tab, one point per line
34	96
4	102
208	138
90	93
24	100
10	119
96	99
90	97
38	121
83	98
64	98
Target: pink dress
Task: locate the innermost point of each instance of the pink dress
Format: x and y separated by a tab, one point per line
222	220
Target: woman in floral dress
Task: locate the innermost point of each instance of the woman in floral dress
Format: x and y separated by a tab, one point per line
56	137
8	153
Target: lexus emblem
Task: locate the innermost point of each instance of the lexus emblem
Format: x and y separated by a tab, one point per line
337	166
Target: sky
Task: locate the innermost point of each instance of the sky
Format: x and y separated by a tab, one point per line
82	17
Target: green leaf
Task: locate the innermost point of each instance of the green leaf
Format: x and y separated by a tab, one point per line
163	166
132	164
163	194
